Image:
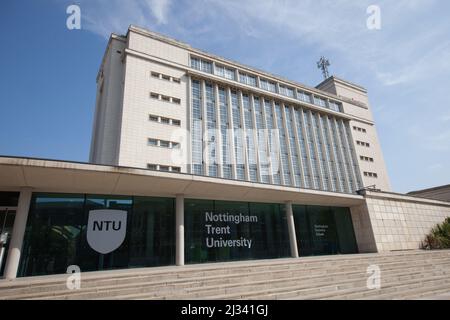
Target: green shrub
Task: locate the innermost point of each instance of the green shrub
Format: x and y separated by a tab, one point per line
439	237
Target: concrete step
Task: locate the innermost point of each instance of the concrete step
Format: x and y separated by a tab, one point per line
216	281
224	291
206	278
273	279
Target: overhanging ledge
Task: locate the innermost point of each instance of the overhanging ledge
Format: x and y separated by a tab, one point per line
73	177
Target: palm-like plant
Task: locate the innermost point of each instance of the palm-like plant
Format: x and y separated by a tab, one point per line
439	237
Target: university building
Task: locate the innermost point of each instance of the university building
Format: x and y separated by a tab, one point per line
195	159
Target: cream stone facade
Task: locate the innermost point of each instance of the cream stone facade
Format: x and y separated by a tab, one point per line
145	74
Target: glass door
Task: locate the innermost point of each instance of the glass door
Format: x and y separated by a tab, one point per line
6	226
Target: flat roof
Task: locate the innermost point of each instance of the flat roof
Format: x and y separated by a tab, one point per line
45	175
447	186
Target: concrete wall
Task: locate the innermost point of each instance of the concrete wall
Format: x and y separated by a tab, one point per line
108	109
397	222
138	105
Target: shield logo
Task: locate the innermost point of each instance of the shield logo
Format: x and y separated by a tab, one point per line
106	229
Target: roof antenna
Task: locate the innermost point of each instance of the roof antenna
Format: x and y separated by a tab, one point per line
323	64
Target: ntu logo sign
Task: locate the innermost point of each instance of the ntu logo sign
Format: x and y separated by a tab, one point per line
106	229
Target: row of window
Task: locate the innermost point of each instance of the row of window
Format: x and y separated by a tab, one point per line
164	120
362	143
163	143
359	129
162	97
265	84
368	159
160	167
370	174
272	142
161	76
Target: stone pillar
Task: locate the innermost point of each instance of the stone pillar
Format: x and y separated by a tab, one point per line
291	228
179	257
20	222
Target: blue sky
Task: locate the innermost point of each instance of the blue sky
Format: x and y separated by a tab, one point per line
47	77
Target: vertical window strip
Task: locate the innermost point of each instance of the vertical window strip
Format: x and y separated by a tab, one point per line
283	147
339	157
262	141
312	154
273	143
238	145
329	153
224	120
303	151
211	122
197	141
293	147
251	150
346	153
319	144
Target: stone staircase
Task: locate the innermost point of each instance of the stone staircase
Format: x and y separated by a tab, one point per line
404	275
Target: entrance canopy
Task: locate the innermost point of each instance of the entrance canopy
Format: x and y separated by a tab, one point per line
72	177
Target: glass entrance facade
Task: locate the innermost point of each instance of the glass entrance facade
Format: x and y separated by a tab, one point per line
59	228
324	230
229	231
55	236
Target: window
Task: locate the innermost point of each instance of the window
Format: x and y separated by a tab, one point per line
363	144
176	100
165	120
195	63
334	106
267	85
224	72
370	174
219	71
164	77
289	92
176	169
164	144
164	168
229	74
152	166
359	129
165	98
320	102
368	159
175	145
154	95
303	96
152	142
201	65
247	79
